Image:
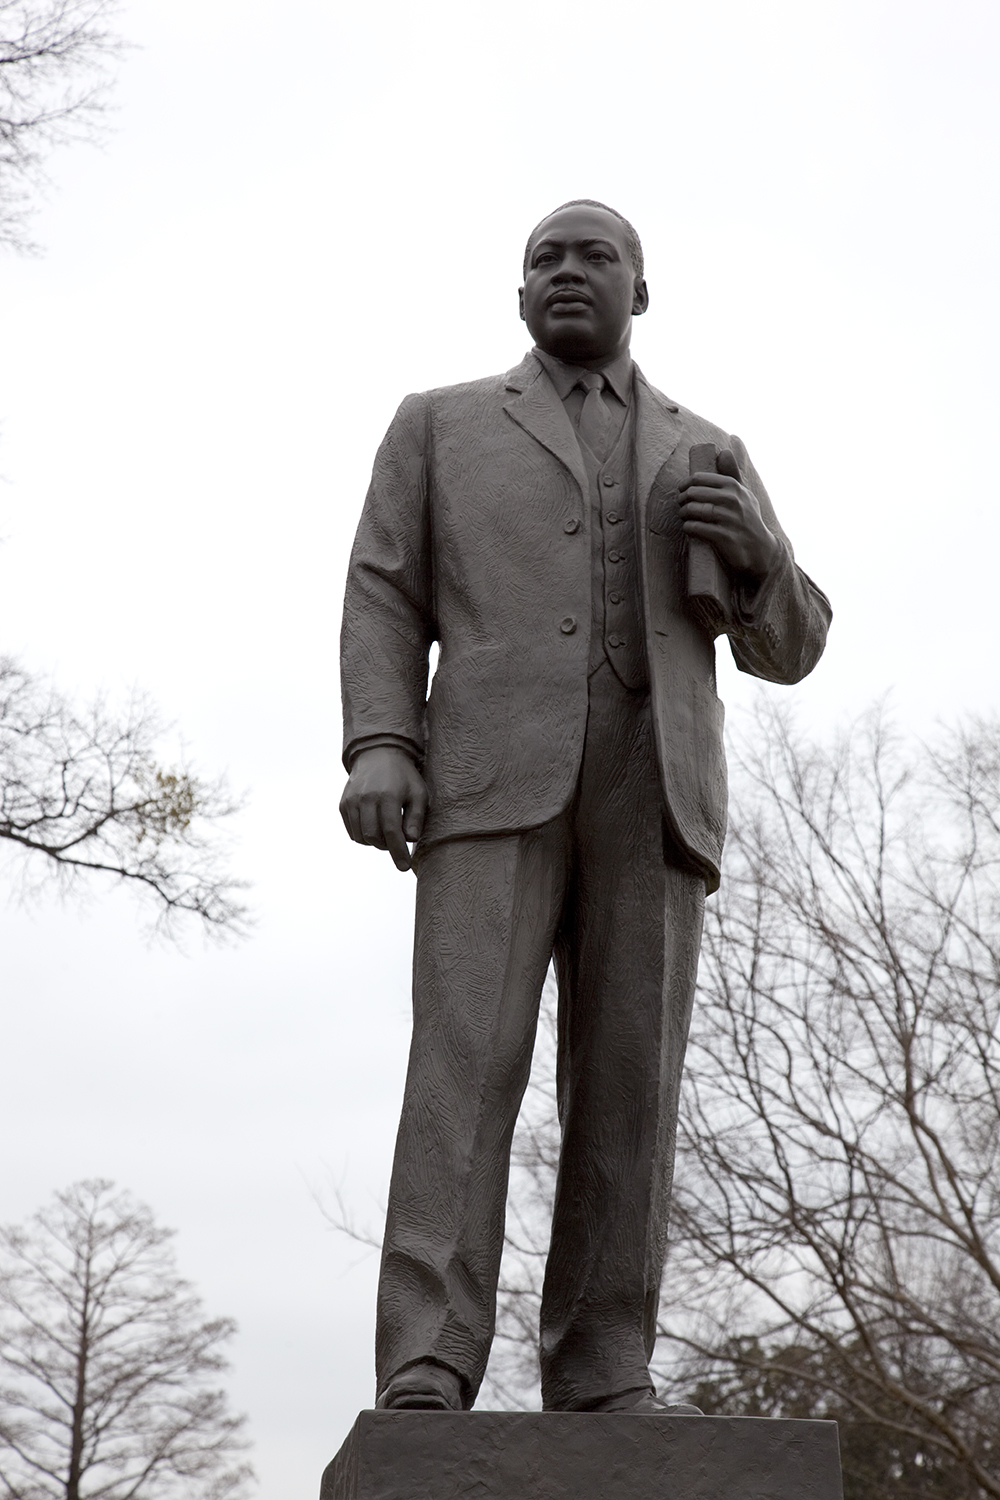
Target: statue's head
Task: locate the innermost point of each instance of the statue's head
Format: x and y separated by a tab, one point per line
583	282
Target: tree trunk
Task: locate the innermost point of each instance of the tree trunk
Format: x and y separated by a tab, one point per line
80	1392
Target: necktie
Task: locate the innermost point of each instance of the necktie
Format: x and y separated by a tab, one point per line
595	419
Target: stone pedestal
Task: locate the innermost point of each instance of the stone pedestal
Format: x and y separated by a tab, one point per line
411	1455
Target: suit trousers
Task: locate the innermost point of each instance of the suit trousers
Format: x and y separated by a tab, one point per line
595	889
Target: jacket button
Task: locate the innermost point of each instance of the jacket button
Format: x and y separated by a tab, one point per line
612	516
609	481
615	640
568	625
615	556
615	598
571	525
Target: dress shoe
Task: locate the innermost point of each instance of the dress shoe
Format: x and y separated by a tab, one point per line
423	1387
646	1403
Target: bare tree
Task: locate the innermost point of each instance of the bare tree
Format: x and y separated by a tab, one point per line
55	72
838	1189
83	793
106	1362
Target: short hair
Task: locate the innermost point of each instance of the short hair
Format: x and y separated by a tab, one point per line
631	238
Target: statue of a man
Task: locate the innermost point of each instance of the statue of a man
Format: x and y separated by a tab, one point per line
565	788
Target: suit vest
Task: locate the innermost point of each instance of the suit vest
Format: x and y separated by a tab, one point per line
616	632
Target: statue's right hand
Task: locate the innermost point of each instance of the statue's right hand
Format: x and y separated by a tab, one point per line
385	801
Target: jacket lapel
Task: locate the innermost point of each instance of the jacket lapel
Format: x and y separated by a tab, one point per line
658	431
536	407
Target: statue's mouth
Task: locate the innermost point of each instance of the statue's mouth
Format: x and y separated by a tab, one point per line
569	299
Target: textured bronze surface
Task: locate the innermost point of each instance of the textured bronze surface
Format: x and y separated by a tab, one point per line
582	1456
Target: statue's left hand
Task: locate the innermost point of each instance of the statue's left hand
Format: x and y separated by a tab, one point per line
720	509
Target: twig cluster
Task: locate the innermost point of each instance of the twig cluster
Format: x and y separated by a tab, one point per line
55	72
82	793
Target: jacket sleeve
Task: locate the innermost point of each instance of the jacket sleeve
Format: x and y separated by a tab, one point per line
388	605
779	628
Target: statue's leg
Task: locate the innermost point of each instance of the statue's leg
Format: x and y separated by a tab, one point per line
487	909
627	956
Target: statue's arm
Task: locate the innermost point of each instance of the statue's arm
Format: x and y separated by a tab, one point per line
387	631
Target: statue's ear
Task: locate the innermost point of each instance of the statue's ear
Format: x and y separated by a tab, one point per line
520	301
640	298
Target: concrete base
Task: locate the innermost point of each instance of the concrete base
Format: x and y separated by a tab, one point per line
418	1455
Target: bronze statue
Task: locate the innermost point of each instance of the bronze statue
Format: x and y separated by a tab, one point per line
565	788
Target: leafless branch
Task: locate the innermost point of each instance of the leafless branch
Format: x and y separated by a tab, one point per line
837	1184
82	794
56	61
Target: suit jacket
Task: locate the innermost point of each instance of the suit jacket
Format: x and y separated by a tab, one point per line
475	533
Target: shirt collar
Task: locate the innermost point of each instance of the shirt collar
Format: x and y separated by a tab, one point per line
618	374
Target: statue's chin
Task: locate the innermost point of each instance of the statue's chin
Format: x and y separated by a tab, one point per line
575	347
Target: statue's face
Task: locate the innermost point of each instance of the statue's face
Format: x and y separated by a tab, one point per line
580	291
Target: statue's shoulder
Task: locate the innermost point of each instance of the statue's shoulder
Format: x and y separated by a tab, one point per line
696	427
466	392
444	409
486	389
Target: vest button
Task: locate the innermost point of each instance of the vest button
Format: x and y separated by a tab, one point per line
616	556
571	525
568	625
609	481
615	640
615	598
613	517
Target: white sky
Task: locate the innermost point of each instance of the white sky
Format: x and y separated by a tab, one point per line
308	210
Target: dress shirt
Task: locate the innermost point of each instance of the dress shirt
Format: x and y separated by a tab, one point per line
617	393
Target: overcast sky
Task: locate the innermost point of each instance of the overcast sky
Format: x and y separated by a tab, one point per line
306	211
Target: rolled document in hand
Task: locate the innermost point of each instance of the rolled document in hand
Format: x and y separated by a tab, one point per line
709	592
